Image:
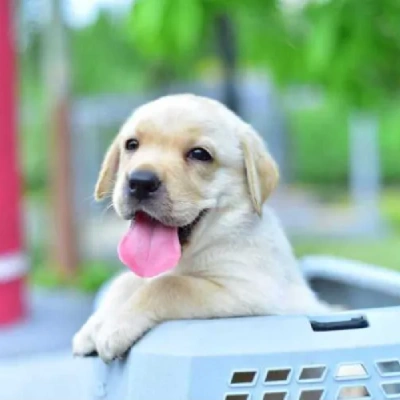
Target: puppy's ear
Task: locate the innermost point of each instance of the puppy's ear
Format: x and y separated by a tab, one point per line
107	172
261	170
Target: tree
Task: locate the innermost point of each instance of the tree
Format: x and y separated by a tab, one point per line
351	48
179	32
102	49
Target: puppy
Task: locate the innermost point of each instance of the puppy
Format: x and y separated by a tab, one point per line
192	179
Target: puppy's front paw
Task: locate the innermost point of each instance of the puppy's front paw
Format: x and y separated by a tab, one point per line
83	343
118	335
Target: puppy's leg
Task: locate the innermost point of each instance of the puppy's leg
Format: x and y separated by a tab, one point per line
165	298
120	290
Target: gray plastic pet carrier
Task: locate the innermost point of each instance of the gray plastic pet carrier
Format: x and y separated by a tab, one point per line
349	355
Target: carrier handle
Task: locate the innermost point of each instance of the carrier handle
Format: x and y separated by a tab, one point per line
338	323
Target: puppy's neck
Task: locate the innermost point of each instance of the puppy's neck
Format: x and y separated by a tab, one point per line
220	228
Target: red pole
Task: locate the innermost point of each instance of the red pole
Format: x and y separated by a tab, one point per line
12	260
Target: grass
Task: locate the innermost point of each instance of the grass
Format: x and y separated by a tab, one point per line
390	205
91	276
327	124
384	252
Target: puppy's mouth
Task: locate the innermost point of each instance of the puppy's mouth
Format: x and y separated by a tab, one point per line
185	232
151	247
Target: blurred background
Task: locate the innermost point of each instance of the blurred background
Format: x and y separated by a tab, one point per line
319	80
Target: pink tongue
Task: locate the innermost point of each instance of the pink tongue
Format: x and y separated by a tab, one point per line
149	248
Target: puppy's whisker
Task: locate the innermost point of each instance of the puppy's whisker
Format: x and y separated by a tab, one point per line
106	209
89	199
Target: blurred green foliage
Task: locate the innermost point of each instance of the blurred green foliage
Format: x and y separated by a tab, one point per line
351	47
391	208
34	150
92	274
167	31
103	59
383	252
320	144
348	47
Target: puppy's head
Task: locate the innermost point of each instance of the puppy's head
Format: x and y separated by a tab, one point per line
180	156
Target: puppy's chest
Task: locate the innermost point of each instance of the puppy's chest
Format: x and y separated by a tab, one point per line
220	261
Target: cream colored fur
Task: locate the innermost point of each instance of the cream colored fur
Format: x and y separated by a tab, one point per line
238	262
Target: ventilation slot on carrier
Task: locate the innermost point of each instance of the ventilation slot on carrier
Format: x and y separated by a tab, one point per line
243	378
311	394
275	396
354	393
389	367
278	376
350	371
392	389
237	397
312	373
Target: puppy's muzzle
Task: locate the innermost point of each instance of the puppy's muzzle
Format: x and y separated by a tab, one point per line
141	184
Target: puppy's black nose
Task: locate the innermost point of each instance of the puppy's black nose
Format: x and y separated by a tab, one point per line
142	183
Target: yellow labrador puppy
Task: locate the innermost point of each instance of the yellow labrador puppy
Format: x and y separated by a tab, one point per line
192	178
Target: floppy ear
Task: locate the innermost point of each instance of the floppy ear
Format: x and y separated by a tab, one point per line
107	172
261	170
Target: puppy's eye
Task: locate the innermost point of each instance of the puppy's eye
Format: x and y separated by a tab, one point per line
199	154
131	144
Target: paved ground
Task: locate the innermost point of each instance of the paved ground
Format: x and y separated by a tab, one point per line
35	355
51	376
53	319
